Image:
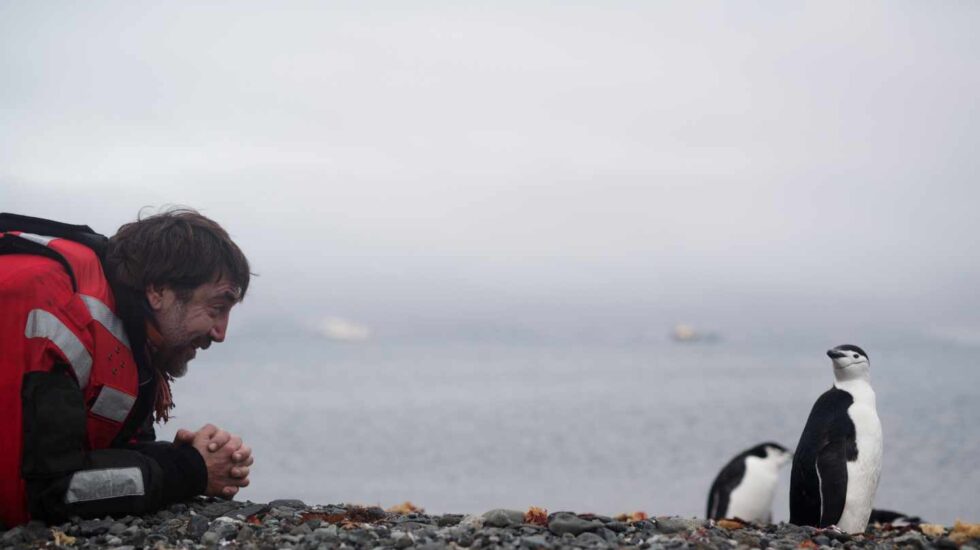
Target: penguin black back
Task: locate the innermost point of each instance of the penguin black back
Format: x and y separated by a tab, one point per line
818	483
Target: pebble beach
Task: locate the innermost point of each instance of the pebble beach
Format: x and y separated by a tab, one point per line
209	523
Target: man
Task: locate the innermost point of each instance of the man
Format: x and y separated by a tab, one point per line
92	332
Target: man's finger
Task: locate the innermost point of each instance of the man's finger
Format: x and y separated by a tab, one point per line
229	491
234	444
240	471
243	454
218	440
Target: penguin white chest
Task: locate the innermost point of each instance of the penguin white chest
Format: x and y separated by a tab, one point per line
752	499
863	473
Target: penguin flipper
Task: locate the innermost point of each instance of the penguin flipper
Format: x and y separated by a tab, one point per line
728	479
831	469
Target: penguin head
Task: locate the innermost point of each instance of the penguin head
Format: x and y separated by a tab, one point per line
772	454
850	362
847	356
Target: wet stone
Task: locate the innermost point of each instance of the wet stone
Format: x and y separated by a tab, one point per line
565	522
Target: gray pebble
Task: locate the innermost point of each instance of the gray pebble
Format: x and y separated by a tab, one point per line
589	539
92	527
245	534
210	538
503	518
534	541
565	522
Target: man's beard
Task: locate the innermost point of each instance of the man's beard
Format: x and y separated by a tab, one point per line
172	360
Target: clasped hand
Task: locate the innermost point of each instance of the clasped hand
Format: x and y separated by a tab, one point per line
228	459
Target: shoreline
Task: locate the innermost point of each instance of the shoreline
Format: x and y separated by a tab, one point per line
208	523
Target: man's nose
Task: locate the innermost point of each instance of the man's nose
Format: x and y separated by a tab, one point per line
219	330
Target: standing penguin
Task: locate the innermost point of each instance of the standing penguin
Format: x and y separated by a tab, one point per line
838	460
745	486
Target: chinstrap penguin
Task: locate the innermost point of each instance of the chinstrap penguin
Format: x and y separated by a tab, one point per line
895	519
744	488
838	460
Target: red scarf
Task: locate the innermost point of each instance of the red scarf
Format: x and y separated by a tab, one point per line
164	401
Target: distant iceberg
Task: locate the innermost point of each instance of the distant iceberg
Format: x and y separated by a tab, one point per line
344	330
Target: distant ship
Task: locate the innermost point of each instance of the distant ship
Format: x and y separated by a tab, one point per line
686	333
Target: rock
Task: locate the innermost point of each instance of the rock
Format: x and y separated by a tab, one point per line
245	534
197	526
534	541
327	534
13	536
617	526
247	511
210	538
503	518
589	539
287	503
218	509
607	534
471	522
94	527
670	525
566	522
448	520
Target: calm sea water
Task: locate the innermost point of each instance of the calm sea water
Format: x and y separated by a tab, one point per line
606	429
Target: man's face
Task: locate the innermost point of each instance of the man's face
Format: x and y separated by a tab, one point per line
187	326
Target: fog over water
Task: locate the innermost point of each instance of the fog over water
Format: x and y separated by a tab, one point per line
791	176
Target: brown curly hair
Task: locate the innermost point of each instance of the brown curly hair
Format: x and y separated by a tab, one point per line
178	248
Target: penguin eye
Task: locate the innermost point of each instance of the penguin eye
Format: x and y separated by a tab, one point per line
855	356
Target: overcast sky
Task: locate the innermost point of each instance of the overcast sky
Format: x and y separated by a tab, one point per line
526	168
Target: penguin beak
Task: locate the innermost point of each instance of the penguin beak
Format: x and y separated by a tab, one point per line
835	354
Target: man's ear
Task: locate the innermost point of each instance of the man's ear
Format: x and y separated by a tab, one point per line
154	295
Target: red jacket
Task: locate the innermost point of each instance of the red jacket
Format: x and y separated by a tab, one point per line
68	383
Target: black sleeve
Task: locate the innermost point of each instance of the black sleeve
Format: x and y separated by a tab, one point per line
64	480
